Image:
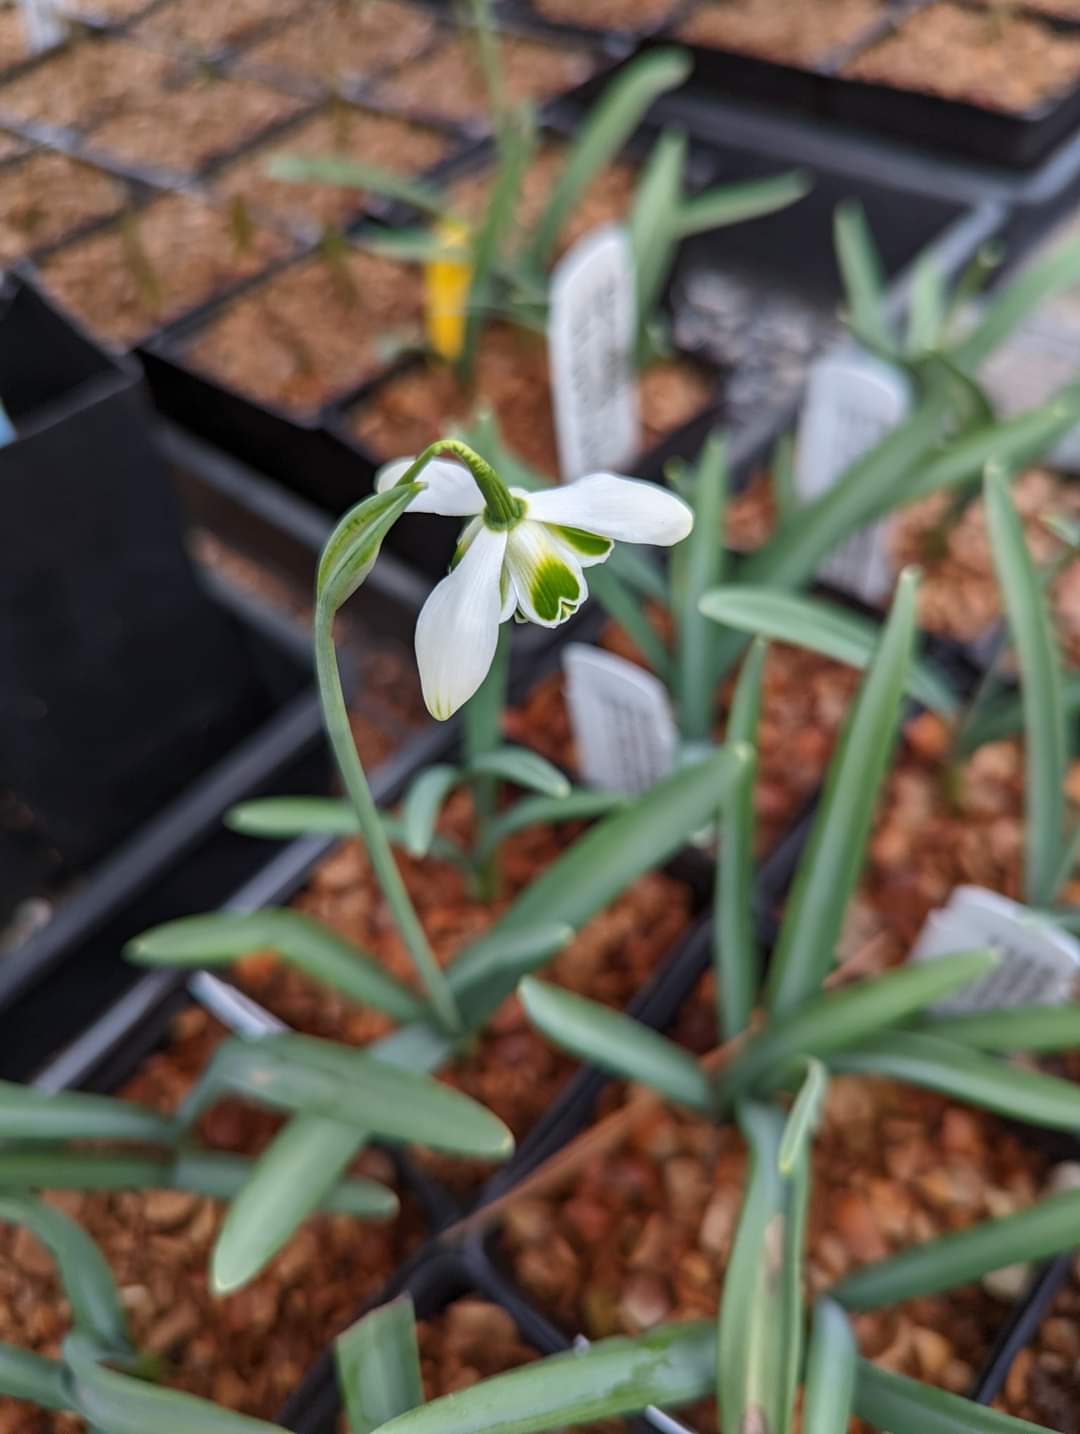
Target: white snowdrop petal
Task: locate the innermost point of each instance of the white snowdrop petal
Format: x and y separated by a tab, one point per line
626	509
450	489
548	580
458	626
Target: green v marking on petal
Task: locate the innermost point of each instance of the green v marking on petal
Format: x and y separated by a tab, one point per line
589	545
554	589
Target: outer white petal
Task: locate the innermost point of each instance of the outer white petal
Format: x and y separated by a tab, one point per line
450	489
548	580
626	509
458	626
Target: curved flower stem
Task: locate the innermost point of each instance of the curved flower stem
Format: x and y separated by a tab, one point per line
501	508
336	719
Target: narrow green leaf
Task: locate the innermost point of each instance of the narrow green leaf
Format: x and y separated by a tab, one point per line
352	174
616	1043
1020	1028
608	589
1051	1226
422	804
378	1364
1035	644
281	818
1059	271
702	568
736	959
579	806
1004	717
653	217
926	319
353	1087
736	203
121	1404
415	246
610	123
782	468
967	1075
830	1371
757	1324
84	1273
33	1115
300	941
830	865
638	568
826	1024
863	275
668	1368
525	769
291	1179
503	956
803	1117
819	626
905	1406
28	1377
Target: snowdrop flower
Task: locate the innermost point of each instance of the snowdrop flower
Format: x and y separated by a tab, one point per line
520	554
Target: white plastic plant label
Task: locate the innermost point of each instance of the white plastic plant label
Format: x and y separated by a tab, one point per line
852	401
621	717
43	24
592	331
1040	965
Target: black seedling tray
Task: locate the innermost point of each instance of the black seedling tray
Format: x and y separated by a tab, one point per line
626	35
1000	137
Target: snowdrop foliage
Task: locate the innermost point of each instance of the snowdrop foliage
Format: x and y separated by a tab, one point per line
521	555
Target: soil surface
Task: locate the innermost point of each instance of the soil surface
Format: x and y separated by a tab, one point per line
449	83
606	14
247	1351
1044	1382
85	83
414	408
12	145
343	45
185	130
153	267
313	331
639	1234
13	42
208	26
999	61
48	196
792	32
382	141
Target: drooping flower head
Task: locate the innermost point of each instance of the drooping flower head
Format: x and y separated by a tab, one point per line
520	554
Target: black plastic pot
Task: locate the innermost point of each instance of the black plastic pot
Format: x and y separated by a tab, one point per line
958	126
104	619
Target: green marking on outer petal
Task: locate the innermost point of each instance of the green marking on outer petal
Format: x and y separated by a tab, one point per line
589	545
554	589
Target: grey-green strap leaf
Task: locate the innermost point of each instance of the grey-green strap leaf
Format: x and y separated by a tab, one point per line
120	1404
300	941
702	566
967	1075
1037	655
830	865
616	1043
906	1406
609	125
523	768
422	804
29	1377
352	1087
827	1024
736	960
830	1371
819	626
581	805
37	1116
378	1364
625	609
503	955
1059	271
1004	717
863	275
1020	1028
735	203
926	319
653	217
1045	1229
285	817
668	1368
84	1273
803	1118
353	174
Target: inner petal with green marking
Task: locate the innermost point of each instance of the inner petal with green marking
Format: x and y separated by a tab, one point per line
548	581
589	547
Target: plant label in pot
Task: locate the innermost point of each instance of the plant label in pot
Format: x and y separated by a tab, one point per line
621	717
